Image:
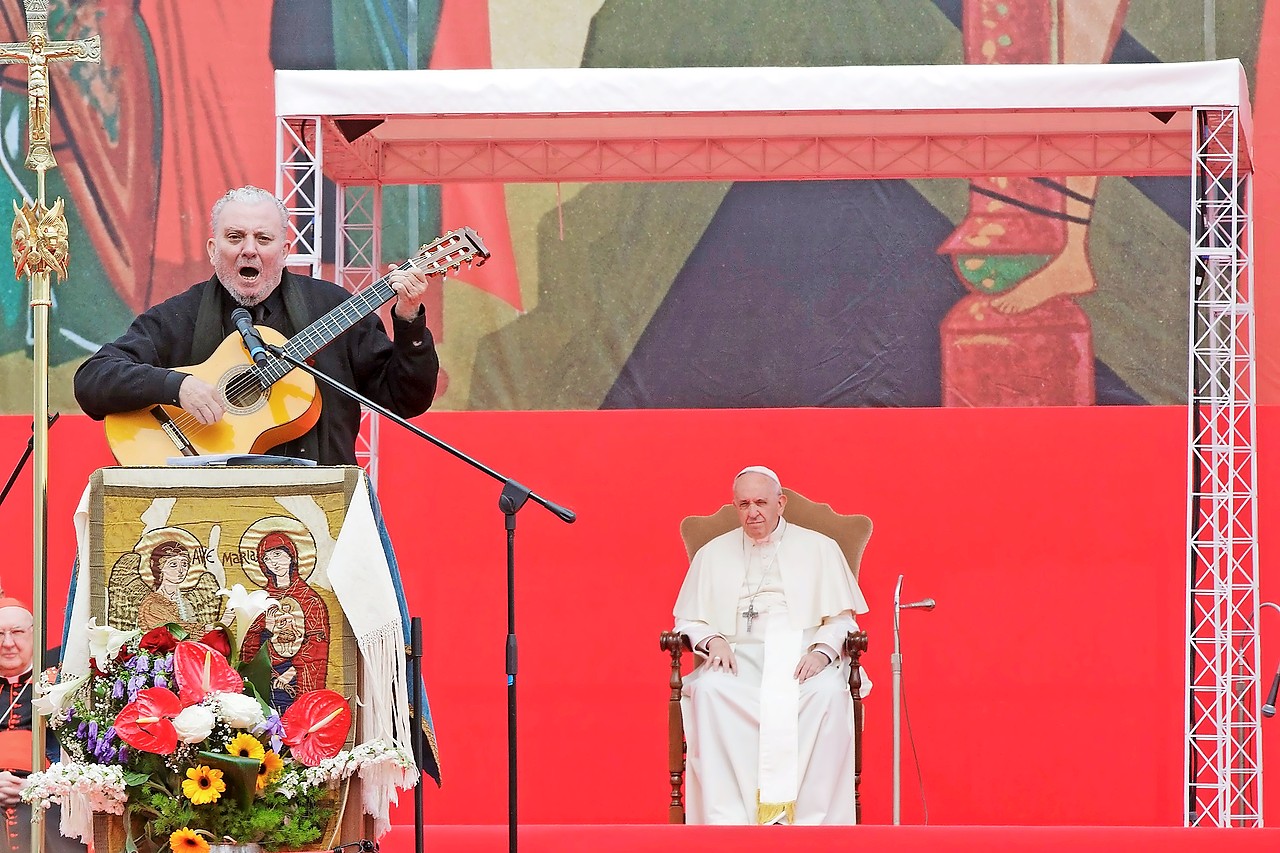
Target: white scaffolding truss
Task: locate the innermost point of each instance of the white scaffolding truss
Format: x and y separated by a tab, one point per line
1224	735
544	125
300	184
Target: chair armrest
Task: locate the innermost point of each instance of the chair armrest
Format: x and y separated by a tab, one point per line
855	643
674	643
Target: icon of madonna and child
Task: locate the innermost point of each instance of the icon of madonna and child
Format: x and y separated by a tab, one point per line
169	578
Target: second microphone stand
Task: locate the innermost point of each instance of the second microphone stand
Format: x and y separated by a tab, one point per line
895	662
513	497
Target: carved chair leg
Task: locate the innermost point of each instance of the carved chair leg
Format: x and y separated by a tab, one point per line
855	643
674	645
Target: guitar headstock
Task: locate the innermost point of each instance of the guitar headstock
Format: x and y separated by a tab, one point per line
459	247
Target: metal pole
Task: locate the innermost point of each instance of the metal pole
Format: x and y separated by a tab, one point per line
40	303
895	662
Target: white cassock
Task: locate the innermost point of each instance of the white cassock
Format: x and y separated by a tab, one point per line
763	748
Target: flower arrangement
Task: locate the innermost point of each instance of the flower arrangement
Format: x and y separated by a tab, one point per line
168	733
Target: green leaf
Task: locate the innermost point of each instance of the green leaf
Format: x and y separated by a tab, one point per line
130	846
241	774
179	633
257	672
133	779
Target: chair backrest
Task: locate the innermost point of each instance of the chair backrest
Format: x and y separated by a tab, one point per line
851	532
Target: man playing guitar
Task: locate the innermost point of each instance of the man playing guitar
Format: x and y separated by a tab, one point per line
248	250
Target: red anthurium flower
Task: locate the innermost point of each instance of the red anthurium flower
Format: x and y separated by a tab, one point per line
158	641
316	726
200	671
218	641
146	723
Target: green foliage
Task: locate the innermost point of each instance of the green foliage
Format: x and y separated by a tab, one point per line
274	821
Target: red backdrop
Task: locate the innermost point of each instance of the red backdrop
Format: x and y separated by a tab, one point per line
1047	688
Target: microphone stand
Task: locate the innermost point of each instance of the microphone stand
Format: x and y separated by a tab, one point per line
419	754
22	462
895	664
513	497
1269	707
895	661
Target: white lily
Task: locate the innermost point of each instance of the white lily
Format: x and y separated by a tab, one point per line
53	699
105	642
247	606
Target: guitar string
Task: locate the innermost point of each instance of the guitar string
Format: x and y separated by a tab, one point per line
191	427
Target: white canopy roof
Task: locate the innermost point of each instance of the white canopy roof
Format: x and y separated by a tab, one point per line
559	124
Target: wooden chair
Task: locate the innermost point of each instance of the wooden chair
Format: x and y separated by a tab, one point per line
851	532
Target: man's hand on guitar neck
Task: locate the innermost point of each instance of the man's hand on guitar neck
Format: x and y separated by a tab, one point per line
200	400
411	288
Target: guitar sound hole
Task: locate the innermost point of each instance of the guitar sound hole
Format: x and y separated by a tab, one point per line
243	391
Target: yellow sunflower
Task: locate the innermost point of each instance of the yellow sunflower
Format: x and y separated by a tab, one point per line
187	841
203	785
246	746
269	768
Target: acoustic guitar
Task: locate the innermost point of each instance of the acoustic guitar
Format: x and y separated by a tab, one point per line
273	402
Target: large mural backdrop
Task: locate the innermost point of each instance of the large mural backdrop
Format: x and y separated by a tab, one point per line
1061	290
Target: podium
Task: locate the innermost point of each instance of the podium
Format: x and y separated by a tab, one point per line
155	546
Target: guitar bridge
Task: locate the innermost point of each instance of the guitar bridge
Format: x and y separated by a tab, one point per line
173	431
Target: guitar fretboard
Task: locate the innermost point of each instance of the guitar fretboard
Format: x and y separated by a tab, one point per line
448	252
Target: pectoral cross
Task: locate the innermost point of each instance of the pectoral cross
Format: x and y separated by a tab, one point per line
750	614
37	52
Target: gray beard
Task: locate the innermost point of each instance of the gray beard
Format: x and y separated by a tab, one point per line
244	301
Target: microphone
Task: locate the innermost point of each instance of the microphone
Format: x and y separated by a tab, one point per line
252	341
1269	709
929	604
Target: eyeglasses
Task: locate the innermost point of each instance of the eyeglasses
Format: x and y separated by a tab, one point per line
17	634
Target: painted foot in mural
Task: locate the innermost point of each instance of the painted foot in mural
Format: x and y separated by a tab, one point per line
1070	274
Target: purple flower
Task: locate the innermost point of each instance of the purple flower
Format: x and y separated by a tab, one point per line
273	727
117	689
161	681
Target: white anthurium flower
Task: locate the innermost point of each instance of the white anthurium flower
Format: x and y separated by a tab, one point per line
240	711
247	606
54	698
194	723
105	642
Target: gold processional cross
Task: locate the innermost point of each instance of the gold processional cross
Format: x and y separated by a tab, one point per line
39	248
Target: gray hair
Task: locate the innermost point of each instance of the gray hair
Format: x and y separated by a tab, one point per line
248	195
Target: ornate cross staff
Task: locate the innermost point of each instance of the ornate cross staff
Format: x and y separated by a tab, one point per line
40	247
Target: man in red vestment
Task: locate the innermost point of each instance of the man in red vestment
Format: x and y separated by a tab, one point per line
17	640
